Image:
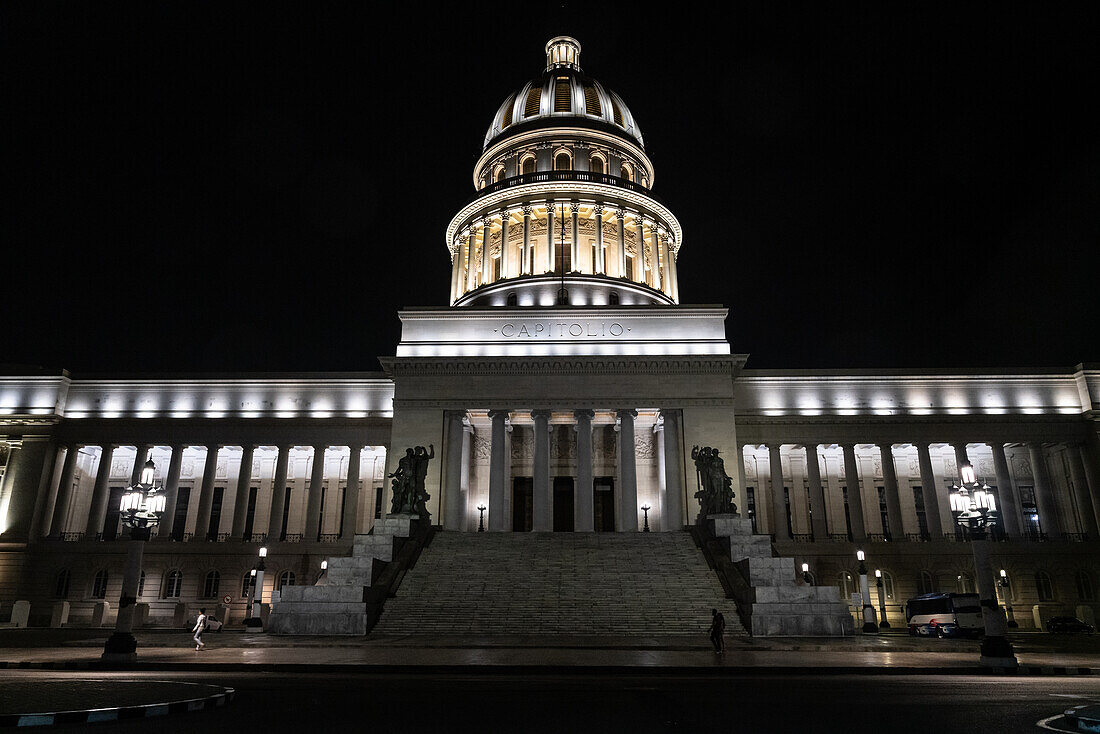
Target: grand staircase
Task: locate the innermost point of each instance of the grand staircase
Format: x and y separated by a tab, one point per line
484	584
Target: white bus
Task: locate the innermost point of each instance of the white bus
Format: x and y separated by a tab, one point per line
945	615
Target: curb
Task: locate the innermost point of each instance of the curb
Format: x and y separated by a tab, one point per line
511	669
119	713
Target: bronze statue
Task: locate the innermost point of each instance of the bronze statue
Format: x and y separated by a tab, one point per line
409	496
715	492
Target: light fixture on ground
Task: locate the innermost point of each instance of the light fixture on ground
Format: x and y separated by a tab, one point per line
806	575
881	584
1004	584
324	569
141	508
645	512
256	599
869	626
481	518
976	514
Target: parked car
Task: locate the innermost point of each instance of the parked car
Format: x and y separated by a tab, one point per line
945	615
1068	624
212	625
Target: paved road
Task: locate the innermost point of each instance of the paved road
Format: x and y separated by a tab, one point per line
637	704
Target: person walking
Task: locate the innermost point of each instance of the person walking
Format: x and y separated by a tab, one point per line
200	626
717	630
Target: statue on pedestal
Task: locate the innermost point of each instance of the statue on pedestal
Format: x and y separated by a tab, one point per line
409	495
715	492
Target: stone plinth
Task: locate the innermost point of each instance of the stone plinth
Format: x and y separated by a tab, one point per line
783	605
59	615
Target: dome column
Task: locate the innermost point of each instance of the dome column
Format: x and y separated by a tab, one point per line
456	268
574	247
620	217
470	280
505	215
485	251
550	264
525	256
598	266
654	257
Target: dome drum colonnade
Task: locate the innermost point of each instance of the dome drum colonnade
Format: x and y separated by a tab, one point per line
564	191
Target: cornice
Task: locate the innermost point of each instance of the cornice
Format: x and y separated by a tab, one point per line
702	364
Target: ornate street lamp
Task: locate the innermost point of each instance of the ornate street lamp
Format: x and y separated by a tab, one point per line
1004	584
869	625
256	599
645	511
141	508
806	575
881	584
976	513
481	518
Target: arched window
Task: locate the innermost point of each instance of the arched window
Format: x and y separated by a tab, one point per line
500	174
61	584
628	172
1083	580
562	162
286	578
173	582
528	165
963	584
211	584
141	584
847	585
1043	587
926	582
887	587
512	300
246	585
613	299
596	166
99	584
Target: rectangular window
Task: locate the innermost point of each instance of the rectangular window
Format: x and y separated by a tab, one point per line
179	521
922	517
215	514
321	525
883	512
565	256
286	514
629	267
787	502
1032	526
847	513
809	513
110	522
378	493
750	505
250	514
496	269
343	509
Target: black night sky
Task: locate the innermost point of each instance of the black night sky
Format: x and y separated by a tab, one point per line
222	187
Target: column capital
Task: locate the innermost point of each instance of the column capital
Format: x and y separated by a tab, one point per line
500	413
626	412
540	414
574	206
598	210
353	448
527	210
584	414
505	214
620	214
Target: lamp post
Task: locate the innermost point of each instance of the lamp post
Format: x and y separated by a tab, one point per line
645	513
869	626
257	599
481	518
1004	584
976	513
807	577
141	508
881	584
324	570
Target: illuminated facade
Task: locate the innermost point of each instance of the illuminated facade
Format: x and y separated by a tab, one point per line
563	387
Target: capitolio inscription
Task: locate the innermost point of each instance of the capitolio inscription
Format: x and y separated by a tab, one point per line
560	329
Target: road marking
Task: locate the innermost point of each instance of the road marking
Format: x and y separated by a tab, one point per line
1044	723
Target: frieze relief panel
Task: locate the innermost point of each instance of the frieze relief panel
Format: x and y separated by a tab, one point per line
985	467
876	467
222	471
187	469
1021	467
120	467
483	447
644	446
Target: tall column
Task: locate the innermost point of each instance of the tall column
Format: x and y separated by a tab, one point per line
141	455
674	479
541	502
312	530
525	258
278	495
779	507
171	492
961	457
496	471
819	526
206	493
893	502
1044	493
659	435
240	499
351	495
599	264
583	509
654	269
628	471
551	241
46	499
485	258
1091	454
620	218
1081	490
464	475
505	260
855	496
97	513
65	491
575	247
930	492
456	271
471	245
673	284
1010	504
452	488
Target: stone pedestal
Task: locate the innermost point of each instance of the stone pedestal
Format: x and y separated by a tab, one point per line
336	604
141	615
782	605
179	615
20	613
59	615
99	613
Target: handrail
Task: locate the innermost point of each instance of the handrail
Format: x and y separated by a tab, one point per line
547	176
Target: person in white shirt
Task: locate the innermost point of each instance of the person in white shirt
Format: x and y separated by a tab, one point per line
200	625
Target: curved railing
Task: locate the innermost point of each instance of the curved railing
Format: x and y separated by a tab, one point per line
546	176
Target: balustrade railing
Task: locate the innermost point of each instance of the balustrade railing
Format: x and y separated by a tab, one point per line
328	537
547	176
292	538
803	537
71	537
1074	537
840	537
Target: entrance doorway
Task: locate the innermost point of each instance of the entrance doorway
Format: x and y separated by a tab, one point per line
603	512
523	495
563	504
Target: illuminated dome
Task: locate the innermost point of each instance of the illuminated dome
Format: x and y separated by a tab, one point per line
563	95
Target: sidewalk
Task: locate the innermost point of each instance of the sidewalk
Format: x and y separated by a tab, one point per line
171	650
